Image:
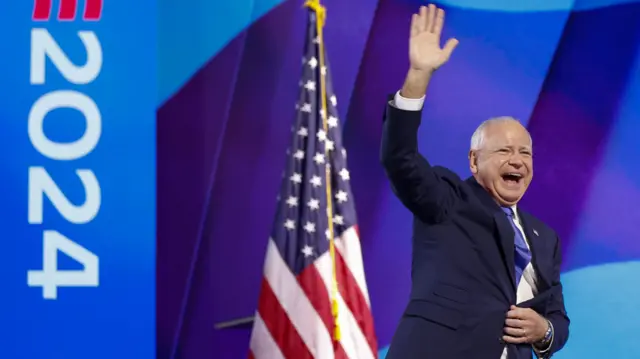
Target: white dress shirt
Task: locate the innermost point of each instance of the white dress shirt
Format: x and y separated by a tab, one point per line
528	287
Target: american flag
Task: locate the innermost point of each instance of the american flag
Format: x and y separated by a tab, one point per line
294	318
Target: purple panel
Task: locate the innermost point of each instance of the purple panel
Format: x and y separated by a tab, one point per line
242	201
346	34
576	111
190	128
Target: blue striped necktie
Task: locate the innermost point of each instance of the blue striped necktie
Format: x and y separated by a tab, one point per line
522	255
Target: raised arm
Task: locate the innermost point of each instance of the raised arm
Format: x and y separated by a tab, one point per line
414	180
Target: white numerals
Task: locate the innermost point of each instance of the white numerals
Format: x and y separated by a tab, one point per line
50	278
65	99
43	45
41	185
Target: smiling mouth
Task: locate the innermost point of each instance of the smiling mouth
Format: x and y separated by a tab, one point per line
512	178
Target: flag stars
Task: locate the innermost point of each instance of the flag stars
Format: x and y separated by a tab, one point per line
341	196
313	63
299	155
292	201
290	224
313	204
332	121
296	178
327	233
321	135
314	201
318	158
344	153
344	174
310	85
307	250
329	145
316	181
309	227
306	107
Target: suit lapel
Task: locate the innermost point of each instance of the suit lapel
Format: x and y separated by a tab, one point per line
507	244
506	234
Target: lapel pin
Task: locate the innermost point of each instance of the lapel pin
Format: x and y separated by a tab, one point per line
535	232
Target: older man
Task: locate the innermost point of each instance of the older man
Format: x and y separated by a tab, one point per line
485	274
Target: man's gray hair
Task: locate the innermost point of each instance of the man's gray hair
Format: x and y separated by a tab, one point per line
478	137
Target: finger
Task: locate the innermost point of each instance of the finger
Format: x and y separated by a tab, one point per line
415	21
514	323
516	312
514	332
431	17
448	49
514	340
525	313
422	24
437	27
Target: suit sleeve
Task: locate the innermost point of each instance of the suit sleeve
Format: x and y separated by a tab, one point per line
413	179
557	313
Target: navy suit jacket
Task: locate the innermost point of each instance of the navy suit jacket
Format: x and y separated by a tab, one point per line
463	280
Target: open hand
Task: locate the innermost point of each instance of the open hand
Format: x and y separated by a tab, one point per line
425	53
524	325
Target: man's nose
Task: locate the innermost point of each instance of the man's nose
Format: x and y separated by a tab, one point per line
516	161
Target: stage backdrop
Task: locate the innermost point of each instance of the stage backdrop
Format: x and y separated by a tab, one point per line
229	70
77	172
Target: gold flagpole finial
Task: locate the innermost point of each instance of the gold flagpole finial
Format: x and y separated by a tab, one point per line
320	10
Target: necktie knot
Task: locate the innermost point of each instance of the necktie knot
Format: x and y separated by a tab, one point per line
508	211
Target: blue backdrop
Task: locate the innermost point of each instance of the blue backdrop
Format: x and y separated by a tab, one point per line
77	172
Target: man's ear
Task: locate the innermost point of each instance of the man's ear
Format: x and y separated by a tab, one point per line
473	161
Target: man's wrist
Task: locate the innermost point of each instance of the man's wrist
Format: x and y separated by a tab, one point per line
544	343
416	82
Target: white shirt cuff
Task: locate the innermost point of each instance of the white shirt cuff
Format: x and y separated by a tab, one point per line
408	104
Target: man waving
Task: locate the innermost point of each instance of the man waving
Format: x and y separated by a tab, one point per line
485	274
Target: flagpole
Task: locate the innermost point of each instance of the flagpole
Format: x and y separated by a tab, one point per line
320	18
